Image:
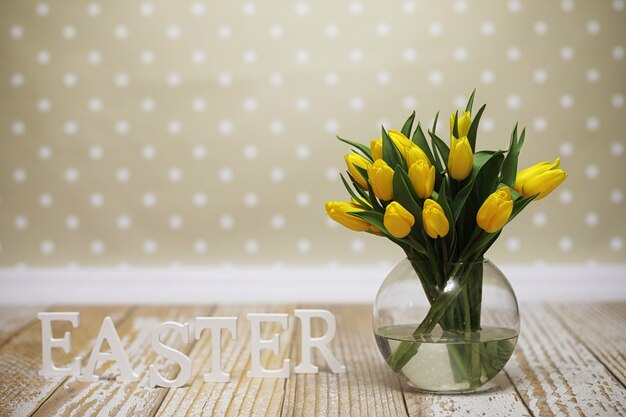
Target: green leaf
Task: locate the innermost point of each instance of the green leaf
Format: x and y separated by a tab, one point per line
461	198
434	129
473	130
404	194
372	197
455	126
352	193
441	146
470	102
377	220
408	125
486	173
391	154
420	140
509	166
443	200
367	152
519	205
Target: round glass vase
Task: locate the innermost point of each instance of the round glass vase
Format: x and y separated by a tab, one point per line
446	327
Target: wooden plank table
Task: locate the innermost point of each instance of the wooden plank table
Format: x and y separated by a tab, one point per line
570	360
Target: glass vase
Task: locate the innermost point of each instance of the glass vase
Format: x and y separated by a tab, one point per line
446	327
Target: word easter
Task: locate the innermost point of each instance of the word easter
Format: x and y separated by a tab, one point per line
215	325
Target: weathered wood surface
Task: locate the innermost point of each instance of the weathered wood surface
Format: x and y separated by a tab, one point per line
569	361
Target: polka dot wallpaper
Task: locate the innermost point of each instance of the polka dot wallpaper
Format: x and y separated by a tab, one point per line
202	132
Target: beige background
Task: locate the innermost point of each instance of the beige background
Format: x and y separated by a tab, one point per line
161	132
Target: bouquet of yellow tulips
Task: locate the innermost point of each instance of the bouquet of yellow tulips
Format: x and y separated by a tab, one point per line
443	204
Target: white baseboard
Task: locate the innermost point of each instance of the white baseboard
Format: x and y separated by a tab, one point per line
188	285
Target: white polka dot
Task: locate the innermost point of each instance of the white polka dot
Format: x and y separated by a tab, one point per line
487	124
332	174
70	127
200	246
42	9
435	29
617	100
617	148
146	9
567	53
592	123
46	200
71	175
566	101
304	246
226	174
617	196
357	245
303	152
513	101
435	77
199	152
331	30
488	28
19	175
224	31
150	247
96	200
18	127
540	124
47	247
513	53
173	32
566	149
409	55
250	152
592	219
513	244
94	9
541	27
199	199
173	79
44	152
120	32
618	5
383	78
616	243
225	127
409	7
540	219
331	126
460	54
277	174
225	79
174	127
302	56
17	80
249	9
566	196
383	29
331	78
43	57
251	247
249	57
96	152
277	127
277	221
44	105
149	199
356	7
460	6
593	75
566	244
20	222
356	55
487	76
276	31
95	104
70	80
175	222
250	104
514	6
593	27
357	103
69	32
146	57
250	199
175	174
122	127
122	174
97	247
303	104
567	5
148	152
540	76
618	53
199	104
303	199
16	31
302	8
227	222
72	222
409	102
198	9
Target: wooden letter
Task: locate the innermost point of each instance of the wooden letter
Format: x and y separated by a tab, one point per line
216	324
48	342
167	352
309	342
256	344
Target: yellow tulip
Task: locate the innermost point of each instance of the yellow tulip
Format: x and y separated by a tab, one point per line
398	221
464	123
338	211
423	178
460	158
381	179
355	160
495	211
413	154
377	149
541	178
434	219
401	141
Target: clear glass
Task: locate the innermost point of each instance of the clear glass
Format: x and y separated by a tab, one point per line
451	328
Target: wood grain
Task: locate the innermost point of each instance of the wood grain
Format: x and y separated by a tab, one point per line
12	319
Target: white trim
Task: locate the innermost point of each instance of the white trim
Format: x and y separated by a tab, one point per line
179	285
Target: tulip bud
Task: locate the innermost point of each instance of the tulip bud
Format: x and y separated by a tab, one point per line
381	179
398	221
355	160
541	178
423	178
414	153
377	149
401	141
339	212
495	211
464	123
460	158
434	219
